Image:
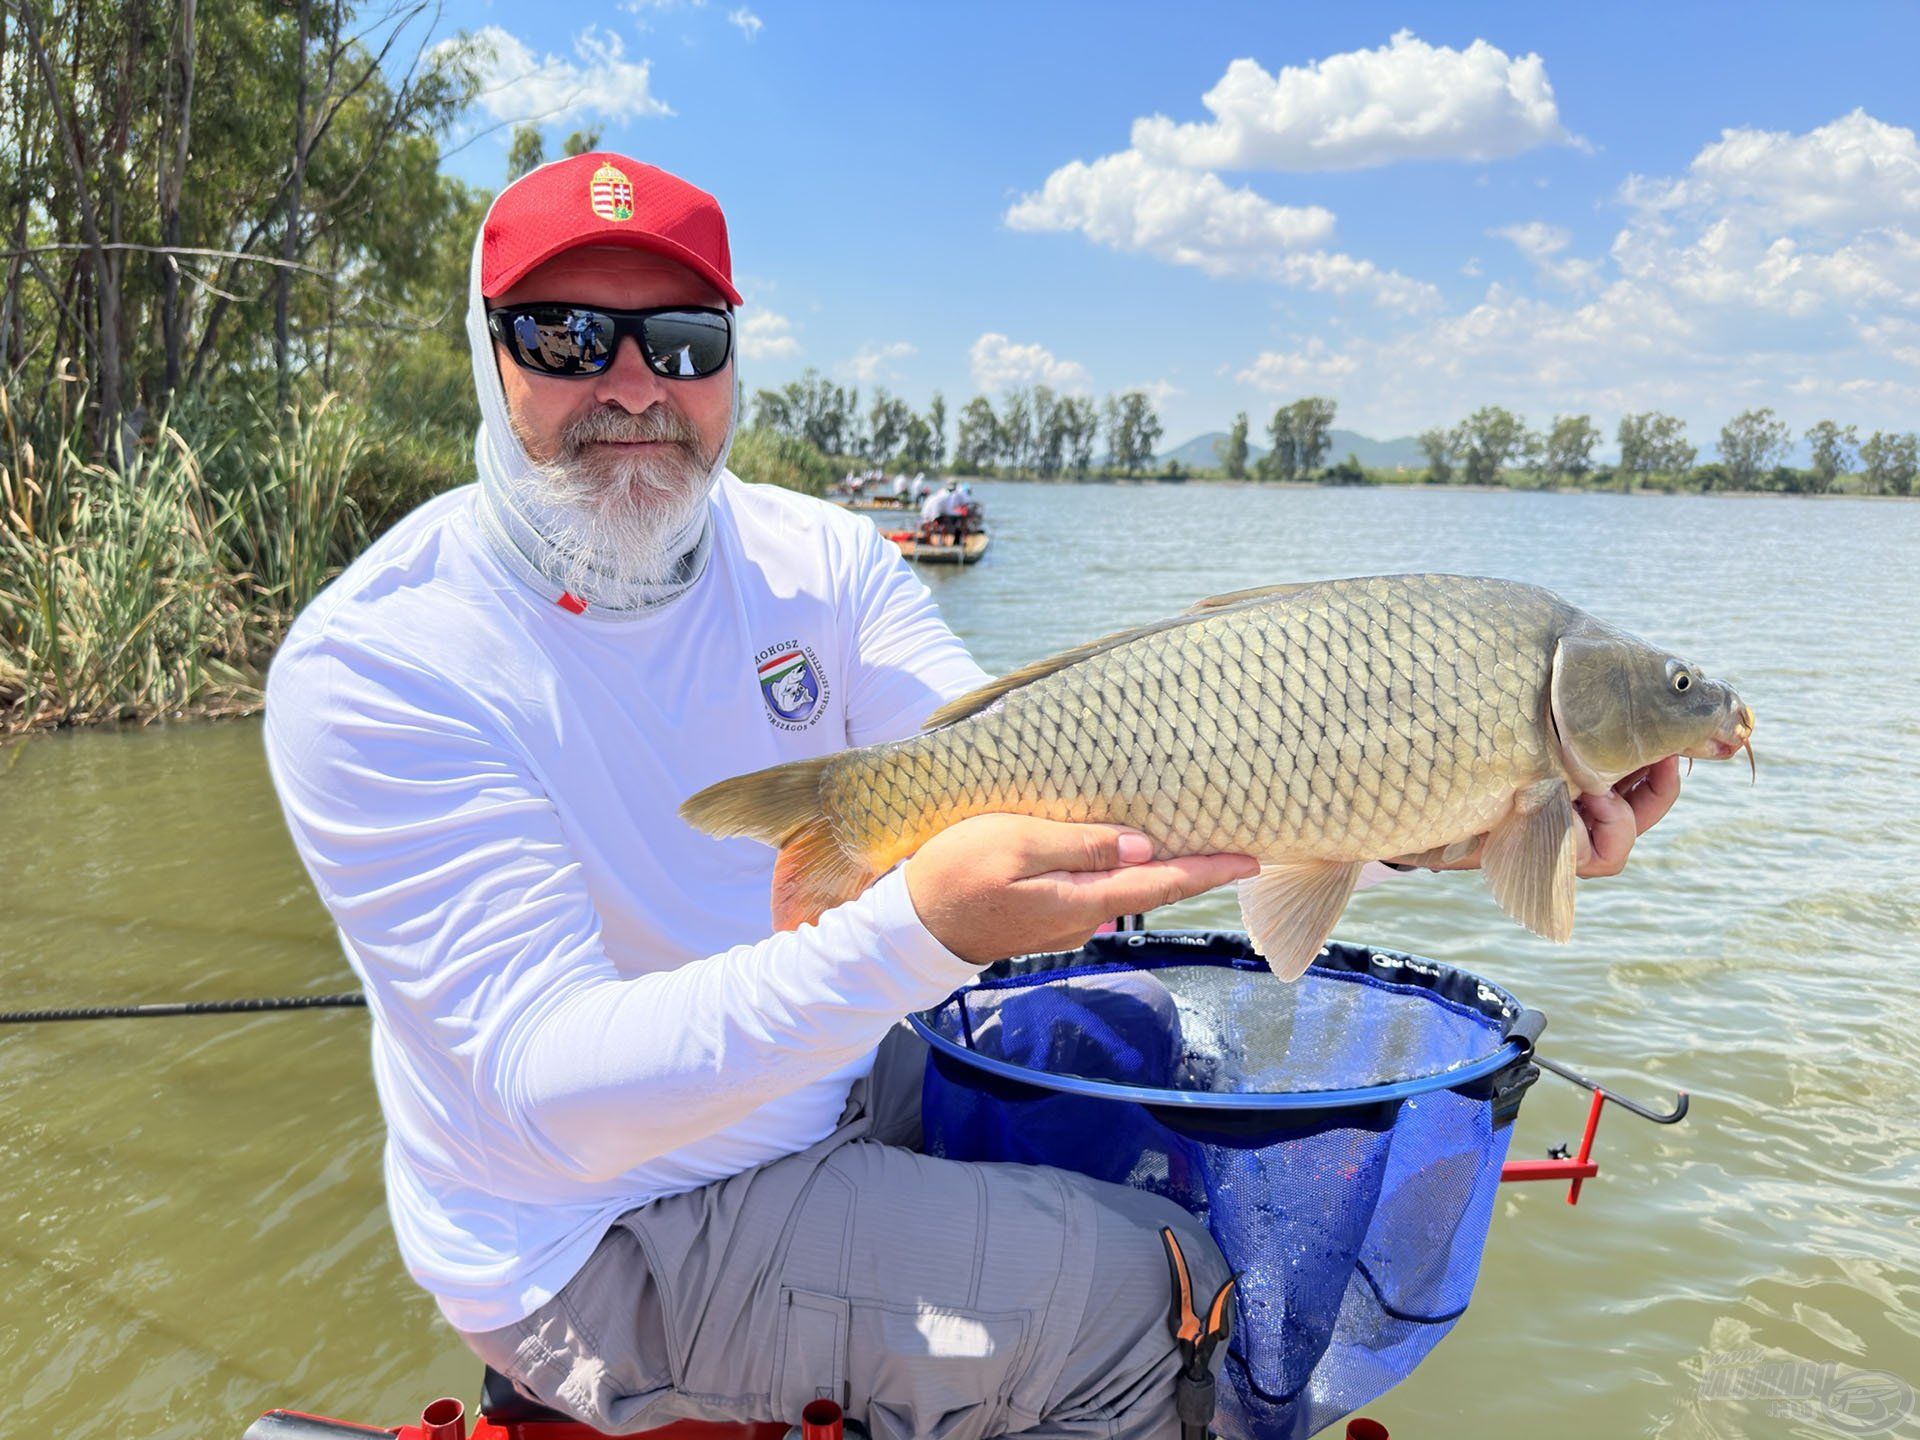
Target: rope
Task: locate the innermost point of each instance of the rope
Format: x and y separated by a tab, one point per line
189	1007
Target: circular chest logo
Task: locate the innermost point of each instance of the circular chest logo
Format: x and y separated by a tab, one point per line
795	691
611	194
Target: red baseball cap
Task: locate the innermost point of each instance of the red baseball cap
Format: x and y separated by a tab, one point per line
603	199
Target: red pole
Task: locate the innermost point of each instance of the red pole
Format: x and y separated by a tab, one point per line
1586	1144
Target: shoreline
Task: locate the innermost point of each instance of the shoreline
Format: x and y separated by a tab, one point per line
1424	487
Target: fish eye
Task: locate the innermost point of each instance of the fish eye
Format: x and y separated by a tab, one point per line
1679	677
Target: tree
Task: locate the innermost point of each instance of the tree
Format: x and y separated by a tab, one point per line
1299	433
937	423
1082	424
1485	441
979	440
1832	447
1751	444
1049	431
887	424
916	443
1652	444
1890	462
1569	447
1437	445
1234	453
526	153
1132	431
580	142
1016	428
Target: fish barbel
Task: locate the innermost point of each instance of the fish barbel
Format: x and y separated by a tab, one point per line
1314	726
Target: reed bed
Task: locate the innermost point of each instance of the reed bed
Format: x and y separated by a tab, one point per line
157	585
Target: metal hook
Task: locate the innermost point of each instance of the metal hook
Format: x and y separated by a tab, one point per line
1672	1117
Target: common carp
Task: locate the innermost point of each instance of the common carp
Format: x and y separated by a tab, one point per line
1314	726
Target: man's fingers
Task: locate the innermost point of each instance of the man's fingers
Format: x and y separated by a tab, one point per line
1610	833
1137	888
1653	796
1049	845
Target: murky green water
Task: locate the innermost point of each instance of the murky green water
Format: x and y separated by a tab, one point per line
191	1220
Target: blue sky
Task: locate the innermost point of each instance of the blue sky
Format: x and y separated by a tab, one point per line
1415	210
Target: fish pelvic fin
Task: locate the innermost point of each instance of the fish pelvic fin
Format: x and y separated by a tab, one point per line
782	807
1531	857
1291	907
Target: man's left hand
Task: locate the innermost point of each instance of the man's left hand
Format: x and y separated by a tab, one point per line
1613	821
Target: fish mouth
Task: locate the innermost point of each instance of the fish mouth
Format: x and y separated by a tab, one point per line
1734	735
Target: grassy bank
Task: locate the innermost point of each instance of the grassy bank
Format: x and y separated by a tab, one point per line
158	585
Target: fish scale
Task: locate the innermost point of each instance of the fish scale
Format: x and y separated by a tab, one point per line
1314	727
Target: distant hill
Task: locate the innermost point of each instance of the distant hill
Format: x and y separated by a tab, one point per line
1199	453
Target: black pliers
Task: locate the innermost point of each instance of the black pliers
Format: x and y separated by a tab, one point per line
1197	1336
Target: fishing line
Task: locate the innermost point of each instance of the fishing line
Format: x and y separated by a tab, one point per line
258	1006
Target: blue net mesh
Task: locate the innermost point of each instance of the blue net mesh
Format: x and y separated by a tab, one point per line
1341	1137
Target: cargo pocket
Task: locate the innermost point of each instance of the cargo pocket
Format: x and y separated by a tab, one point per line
929	1371
813	1352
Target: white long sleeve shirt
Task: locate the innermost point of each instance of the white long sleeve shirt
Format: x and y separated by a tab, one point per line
576	1006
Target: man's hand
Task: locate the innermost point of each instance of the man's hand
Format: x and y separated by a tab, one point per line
1613	821
1001	885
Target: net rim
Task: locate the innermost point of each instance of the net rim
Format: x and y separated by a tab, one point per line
1509	1052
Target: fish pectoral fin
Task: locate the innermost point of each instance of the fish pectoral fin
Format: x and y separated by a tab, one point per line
1244	597
1531	857
1291	907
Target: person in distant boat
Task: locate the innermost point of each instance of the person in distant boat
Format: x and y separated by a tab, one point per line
656	1157
899	488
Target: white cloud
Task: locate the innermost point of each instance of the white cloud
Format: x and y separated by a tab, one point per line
767	335
748	23
1542	243
518	85
1407	100
875	362
1158	391
1852	172
996	361
1128	202
1288	371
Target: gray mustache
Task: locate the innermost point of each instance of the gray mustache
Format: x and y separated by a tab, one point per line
656	423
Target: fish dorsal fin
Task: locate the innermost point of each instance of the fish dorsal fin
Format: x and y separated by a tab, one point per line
1243	597
974	701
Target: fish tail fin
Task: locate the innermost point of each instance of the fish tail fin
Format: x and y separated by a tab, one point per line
782	807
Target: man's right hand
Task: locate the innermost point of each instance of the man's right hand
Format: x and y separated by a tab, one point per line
1002	885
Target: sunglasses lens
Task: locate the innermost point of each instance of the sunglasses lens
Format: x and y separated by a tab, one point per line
560	339
686	344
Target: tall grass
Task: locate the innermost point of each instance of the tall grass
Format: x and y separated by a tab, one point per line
140	589
157	585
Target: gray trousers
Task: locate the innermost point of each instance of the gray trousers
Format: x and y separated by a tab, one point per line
929	1297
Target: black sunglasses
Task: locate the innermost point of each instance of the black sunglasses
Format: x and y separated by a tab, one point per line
680	342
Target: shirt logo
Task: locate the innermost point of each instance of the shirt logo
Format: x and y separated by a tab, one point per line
611	194
792	685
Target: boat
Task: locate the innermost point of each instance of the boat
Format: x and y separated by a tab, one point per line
971	547
879	505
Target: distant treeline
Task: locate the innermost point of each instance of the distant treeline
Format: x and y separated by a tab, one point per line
1035	433
1493	446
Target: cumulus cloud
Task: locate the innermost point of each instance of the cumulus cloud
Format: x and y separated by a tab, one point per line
996	361
1542	243
746	22
1289	371
1129	202
517	85
875	362
1793	224
1407	100
767	335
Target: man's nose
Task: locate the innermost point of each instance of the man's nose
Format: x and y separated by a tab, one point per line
628	382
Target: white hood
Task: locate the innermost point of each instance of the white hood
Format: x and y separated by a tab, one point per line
527	534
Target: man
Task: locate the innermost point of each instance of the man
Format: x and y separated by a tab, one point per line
933	515
652	1161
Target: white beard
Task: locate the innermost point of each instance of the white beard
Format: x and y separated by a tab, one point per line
620	523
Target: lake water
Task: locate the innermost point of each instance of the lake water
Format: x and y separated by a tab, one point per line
193	1226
